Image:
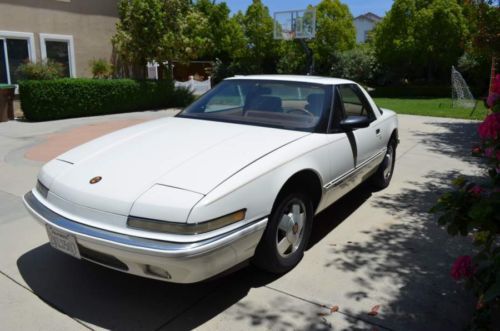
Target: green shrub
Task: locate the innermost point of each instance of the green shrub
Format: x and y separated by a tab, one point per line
70	97
411	91
101	68
358	64
40	71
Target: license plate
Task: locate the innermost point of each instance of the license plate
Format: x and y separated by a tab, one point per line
63	241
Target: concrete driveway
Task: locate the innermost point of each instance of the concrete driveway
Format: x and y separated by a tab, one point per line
376	251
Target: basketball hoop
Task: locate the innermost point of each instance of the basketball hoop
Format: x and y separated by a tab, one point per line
300	25
295	24
287	35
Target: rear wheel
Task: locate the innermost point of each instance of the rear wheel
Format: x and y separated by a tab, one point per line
383	176
287	233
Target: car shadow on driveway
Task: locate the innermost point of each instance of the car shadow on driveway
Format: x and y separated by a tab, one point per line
415	256
115	300
333	216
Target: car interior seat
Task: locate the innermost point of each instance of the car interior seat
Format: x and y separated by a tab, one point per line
315	103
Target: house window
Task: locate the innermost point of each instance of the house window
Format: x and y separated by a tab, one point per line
3	63
59	49
16	48
17	54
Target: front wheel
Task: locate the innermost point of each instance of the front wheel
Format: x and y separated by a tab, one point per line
383	176
287	233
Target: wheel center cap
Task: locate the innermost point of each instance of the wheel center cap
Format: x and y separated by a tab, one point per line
295	228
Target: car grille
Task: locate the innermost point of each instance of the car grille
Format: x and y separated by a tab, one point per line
105	259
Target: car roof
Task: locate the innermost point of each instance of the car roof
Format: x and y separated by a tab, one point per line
297	78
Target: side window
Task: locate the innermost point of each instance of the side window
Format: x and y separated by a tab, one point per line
354	102
337	113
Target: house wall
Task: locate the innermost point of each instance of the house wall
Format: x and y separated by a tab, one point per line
91	23
362	26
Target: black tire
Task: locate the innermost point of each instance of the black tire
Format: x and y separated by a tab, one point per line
267	255
382	177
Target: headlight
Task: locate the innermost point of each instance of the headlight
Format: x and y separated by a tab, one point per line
183	228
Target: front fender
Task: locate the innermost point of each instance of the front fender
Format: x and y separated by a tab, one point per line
256	186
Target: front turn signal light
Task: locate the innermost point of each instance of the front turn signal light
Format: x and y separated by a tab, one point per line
184	228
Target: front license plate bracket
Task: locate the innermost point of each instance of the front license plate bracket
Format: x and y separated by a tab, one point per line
63	241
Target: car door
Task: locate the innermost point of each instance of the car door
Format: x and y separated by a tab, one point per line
339	153
367	142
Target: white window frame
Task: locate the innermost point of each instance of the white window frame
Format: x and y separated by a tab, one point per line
59	37
28	36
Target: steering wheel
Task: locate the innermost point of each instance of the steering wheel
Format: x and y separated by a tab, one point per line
300	110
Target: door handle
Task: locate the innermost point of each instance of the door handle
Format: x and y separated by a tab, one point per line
377	131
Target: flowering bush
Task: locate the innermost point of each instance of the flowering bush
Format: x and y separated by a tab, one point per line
493	100
490	128
462	268
473	209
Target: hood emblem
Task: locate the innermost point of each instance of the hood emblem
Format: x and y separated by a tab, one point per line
95	180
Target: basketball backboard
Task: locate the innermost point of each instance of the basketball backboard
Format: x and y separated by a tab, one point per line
295	24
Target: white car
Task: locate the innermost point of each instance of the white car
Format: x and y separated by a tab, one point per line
238	175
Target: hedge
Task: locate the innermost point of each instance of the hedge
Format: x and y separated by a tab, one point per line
43	100
411	92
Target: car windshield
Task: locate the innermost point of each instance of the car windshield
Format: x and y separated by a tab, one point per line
287	105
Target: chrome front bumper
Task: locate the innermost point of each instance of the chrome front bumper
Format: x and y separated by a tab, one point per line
178	262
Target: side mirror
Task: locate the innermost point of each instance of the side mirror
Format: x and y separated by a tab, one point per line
355	122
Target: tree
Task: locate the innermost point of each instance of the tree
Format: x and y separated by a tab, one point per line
484	24
440	36
358	64
261	53
421	38
140	30
225	35
335	32
292	59
159	30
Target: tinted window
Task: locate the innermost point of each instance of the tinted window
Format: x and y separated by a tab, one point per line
229	97
289	105
354	102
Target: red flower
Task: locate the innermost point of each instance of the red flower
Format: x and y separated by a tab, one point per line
494	95
490	128
496	85
476	150
462	268
476	190
493	98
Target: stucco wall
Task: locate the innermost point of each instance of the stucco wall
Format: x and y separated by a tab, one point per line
90	22
362	25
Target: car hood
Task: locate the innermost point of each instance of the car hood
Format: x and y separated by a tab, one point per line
190	154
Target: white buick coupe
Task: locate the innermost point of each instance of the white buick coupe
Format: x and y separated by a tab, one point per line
238	175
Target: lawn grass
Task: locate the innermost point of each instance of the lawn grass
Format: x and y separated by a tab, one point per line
431	107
